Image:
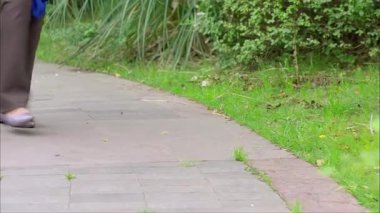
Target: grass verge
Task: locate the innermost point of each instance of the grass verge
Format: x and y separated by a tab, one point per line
329	118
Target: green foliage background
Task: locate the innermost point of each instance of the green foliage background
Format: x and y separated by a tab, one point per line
251	31
244	32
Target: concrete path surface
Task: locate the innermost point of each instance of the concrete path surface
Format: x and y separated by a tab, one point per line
104	144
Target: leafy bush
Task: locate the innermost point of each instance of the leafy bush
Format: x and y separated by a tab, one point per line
249	31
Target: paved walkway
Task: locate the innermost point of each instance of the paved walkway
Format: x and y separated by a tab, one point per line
132	148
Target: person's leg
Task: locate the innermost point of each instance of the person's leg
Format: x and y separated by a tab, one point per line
15	54
19	36
33	40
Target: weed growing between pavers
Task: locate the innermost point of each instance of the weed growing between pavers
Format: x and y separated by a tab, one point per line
240	154
70	176
144	211
260	175
297	207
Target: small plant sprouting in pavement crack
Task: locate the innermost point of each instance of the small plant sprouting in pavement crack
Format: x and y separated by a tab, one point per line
240	154
260	175
297	207
144	211
70	176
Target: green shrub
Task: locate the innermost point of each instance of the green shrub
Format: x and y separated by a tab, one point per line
249	31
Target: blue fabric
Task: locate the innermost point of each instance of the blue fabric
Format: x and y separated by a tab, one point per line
38	8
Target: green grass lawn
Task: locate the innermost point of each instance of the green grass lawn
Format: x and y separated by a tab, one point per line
330	119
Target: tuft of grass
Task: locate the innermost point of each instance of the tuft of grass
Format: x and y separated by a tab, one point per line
297	207
70	176
240	154
144	211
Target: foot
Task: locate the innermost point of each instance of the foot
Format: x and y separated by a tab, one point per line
19	117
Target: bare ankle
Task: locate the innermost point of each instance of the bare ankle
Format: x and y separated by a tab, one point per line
18	111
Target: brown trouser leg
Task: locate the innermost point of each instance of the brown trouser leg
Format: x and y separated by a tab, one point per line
19	36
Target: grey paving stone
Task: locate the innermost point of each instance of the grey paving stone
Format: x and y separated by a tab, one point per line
104	177
217	179
64	116
244	196
107	198
221	167
172	170
108	207
158	187
206	210
102	170
167	201
185	189
174	182
34	190
181	200
160	164
34	208
149	114
59	170
168	173
34	182
237	188
9	194
229	175
241	206
100	186
36	198
180	196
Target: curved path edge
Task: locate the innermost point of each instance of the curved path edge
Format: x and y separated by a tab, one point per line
88	119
